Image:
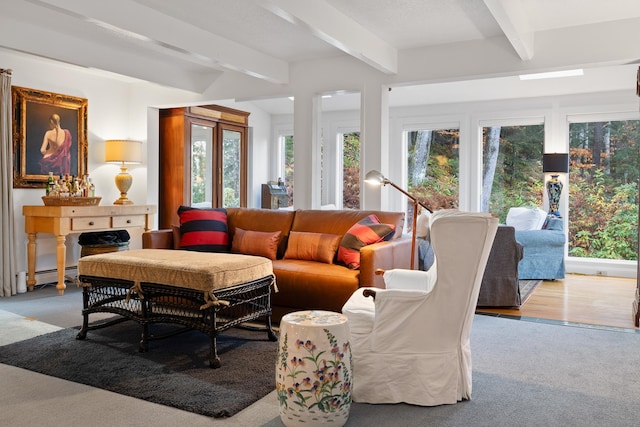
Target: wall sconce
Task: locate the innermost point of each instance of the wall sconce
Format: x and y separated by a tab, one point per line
376	178
124	152
555	164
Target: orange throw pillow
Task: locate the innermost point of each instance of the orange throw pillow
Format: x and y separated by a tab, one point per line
259	243
312	246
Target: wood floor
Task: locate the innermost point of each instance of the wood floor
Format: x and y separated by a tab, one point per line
594	300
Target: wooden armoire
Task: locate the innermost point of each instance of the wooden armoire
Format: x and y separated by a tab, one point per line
203	159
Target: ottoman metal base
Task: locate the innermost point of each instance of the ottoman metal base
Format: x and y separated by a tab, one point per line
157	303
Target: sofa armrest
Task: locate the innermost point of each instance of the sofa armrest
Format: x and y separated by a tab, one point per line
540	238
157	239
395	253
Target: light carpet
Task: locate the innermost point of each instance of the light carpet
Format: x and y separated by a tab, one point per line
524	373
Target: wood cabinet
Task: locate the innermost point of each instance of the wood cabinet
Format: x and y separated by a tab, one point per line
203	159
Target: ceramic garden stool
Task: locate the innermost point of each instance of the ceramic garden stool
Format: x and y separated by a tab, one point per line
313	369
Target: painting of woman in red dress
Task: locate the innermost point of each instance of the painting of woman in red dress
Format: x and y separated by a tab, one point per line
56	149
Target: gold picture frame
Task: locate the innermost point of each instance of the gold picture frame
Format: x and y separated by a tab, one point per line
36	151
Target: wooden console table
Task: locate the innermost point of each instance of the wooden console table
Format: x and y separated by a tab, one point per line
64	220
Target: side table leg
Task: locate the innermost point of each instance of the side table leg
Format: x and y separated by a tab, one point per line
61	255
31	261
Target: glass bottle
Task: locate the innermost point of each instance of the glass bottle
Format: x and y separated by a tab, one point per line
64	187
55	192
50	184
76	192
92	188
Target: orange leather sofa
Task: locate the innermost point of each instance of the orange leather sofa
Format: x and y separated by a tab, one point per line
303	284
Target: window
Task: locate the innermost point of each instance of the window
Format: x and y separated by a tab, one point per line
351	170
201	160
432	168
511	168
603	189
287	142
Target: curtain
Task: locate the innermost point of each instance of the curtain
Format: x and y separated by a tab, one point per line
8	266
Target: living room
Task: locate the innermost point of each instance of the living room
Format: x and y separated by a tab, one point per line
463	95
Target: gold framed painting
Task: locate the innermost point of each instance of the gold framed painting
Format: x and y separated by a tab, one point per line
49	135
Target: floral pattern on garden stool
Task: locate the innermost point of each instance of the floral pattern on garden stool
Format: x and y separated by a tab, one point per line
313	369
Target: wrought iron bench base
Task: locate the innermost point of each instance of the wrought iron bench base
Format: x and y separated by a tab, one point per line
176	305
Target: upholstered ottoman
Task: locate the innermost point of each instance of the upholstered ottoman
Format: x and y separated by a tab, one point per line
209	292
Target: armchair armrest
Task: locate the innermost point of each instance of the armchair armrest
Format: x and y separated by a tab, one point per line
395	253
411	279
157	239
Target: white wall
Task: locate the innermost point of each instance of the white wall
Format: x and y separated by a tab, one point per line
117	108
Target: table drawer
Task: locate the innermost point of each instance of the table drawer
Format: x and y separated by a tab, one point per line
82	224
128	221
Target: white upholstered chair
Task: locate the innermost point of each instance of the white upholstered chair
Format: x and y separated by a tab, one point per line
412	343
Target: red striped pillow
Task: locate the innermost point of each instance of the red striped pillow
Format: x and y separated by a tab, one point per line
203	230
365	232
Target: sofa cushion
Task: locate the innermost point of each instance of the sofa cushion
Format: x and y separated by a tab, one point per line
319	247
526	218
259	243
267	220
203	230
365	232
340	221
306	284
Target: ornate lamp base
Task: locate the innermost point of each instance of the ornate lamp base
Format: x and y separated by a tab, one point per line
554	188
123	182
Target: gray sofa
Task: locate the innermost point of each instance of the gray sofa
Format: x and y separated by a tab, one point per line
499	286
521	255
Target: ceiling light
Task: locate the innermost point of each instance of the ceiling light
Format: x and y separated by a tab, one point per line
552	74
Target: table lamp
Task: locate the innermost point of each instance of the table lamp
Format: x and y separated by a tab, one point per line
555	163
124	152
376	178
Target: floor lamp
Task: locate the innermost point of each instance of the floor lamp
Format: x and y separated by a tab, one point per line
376	178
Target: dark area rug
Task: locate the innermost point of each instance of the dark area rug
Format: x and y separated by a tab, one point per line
526	289
174	372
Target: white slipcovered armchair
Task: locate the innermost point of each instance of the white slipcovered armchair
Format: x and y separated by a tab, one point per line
412	343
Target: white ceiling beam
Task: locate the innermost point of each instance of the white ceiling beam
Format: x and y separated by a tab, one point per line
330	25
512	19
59	47
122	18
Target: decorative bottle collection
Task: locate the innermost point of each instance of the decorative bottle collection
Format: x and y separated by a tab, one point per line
69	186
